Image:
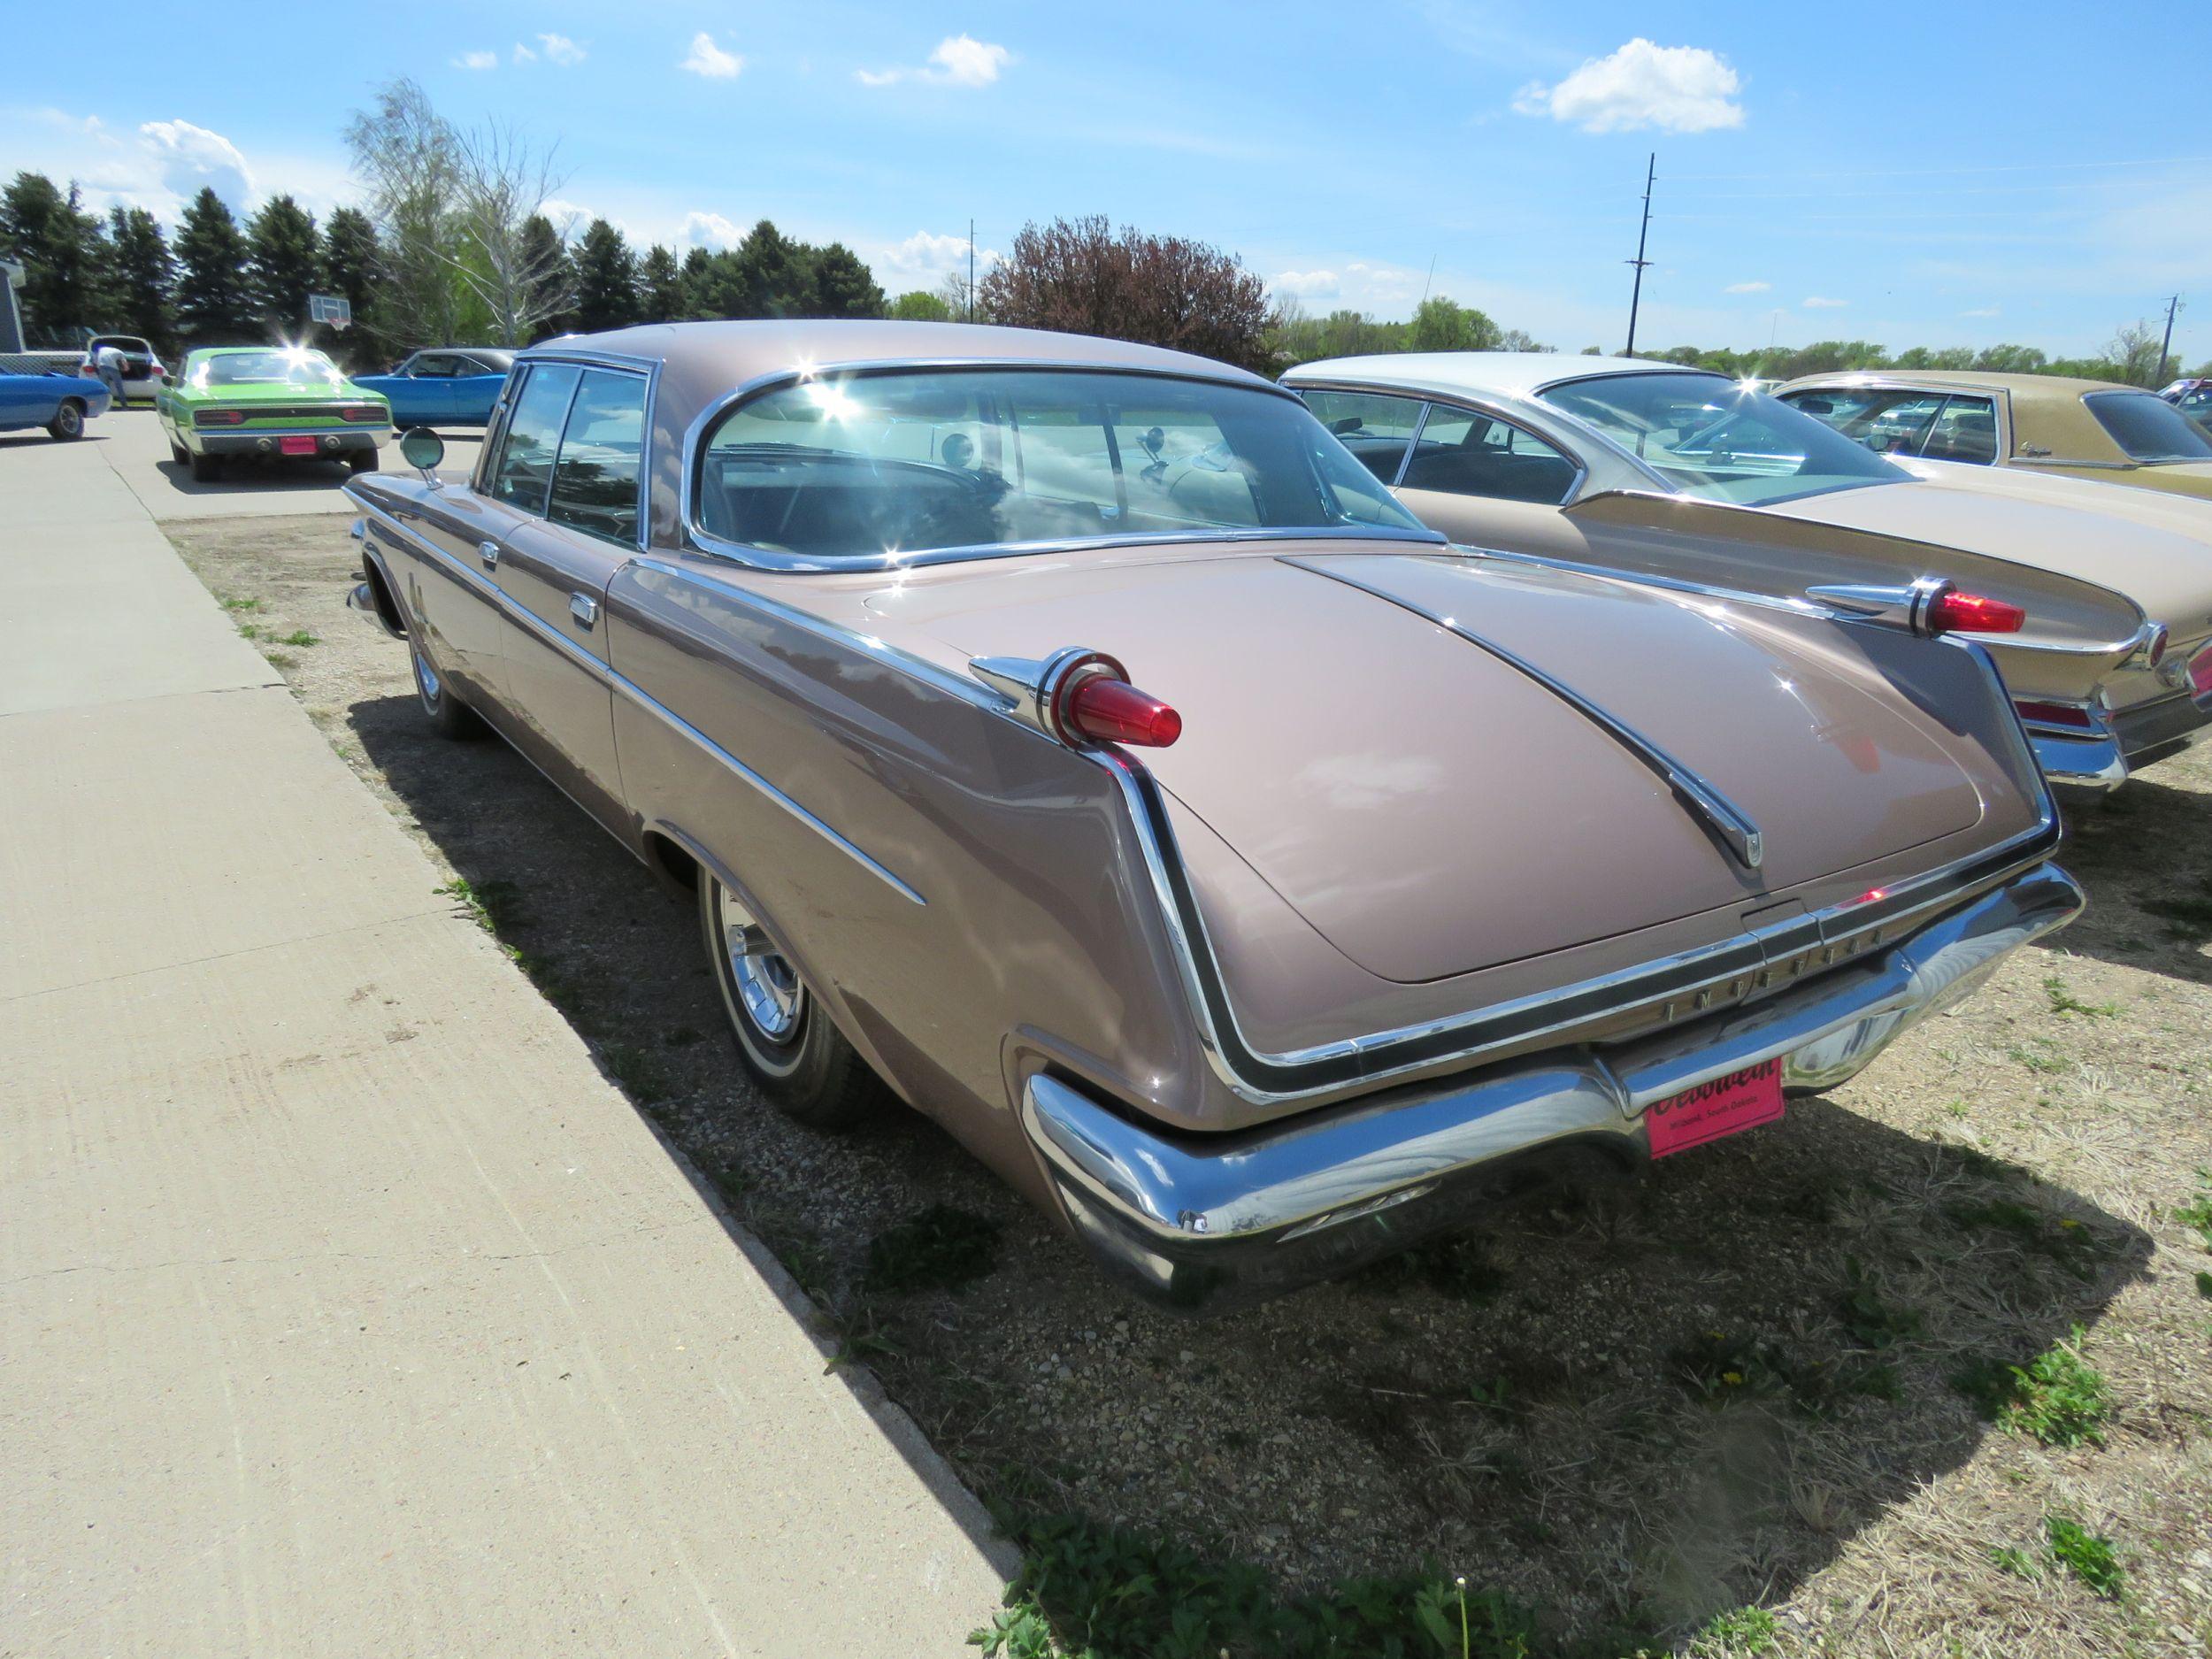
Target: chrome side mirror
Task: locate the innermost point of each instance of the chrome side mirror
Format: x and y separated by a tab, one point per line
422	449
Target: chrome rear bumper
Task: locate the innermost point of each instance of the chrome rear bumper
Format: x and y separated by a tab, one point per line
1213	1221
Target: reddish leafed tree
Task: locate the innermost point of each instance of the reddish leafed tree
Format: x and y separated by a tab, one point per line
1080	276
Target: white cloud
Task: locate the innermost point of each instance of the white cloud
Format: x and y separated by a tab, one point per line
1982	311
1675	88
524	55
925	260
568	218
960	60
1817	303
1304	284
706	59
561	50
1748	287
191	157
477	60
706	230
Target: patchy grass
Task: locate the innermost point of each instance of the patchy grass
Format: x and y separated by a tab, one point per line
243	605
1747	1632
641	1075
941	1248
2058	1238
1871	1321
2064	1001
2059	1398
1457	1267
2041	1057
2088	1555
1093	1592
2197	1212
297	636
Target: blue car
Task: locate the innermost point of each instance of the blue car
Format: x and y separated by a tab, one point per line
449	386
60	403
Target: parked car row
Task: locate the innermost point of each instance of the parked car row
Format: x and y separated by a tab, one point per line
1685	476
1267	823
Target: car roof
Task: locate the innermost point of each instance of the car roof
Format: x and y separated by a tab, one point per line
702	363
1503	373
2056	387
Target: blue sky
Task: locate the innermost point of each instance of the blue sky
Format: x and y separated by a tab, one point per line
1916	174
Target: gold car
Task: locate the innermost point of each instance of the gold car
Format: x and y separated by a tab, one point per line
2092	429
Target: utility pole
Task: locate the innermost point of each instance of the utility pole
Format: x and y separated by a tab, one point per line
971	270
1636	294
2172	306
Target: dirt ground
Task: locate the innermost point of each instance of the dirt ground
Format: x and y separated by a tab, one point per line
1750	1380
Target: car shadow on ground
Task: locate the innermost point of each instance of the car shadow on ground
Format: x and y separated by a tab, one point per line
2144	854
1626	1407
306	478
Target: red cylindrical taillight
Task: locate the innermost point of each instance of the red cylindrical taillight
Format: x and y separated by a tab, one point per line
1102	710
1953	612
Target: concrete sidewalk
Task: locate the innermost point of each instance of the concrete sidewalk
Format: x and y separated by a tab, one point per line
344	1307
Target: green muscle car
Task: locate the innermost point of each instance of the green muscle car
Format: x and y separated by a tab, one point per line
269	403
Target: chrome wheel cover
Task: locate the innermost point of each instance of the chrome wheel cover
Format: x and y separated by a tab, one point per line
775	1000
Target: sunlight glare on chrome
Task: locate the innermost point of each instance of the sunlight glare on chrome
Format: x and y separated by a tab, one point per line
835	403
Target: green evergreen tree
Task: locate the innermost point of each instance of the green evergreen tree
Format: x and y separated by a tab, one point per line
543	250
843	285
143	275
64	255
351	258
284	265
661	287
214	304
774	276
606	279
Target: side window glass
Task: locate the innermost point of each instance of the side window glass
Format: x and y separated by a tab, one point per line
533	433
434	366
1372	427
595	478
1461	453
1964	430
1179	469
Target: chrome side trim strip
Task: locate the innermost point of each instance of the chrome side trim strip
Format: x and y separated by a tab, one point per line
676	723
1729	824
606	674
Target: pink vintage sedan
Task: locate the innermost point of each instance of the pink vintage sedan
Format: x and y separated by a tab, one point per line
1075	737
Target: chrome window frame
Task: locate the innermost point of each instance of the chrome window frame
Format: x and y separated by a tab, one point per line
1492	409
696	538
496	431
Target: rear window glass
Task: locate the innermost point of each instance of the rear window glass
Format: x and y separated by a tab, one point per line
2148	428
866	465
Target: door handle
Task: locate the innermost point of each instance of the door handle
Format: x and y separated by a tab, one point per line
584	609
488	551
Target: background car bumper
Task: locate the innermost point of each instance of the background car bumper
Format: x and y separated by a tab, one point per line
328	441
1209	1223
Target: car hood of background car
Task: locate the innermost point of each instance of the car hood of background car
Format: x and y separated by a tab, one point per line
2155	549
1430	809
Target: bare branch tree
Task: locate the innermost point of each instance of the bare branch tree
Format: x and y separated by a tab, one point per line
503	180
408	155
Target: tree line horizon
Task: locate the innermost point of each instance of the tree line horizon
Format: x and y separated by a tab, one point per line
451	248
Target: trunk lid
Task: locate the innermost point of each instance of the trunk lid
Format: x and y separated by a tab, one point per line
1430	808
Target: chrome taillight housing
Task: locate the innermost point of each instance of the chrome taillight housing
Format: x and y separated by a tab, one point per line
1933	605
1082	697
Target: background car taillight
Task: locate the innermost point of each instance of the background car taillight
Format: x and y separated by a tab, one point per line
1952	611
220	418
361	413
1100	709
88	371
2071	715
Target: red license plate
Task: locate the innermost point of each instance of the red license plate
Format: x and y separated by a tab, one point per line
296	446
1723	1106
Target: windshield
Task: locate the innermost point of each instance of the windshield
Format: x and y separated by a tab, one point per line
2147	428
266	368
867	466
1708	436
